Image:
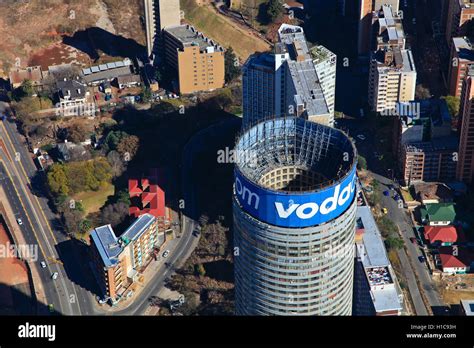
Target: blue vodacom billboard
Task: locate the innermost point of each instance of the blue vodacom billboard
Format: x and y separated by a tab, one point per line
298	209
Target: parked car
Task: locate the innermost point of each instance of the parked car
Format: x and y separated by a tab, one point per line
51	307
386	193
166	253
55	276
422	259
361	136
20	222
43	264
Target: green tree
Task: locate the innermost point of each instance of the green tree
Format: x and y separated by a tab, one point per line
26	88
453	107
361	162
85	226
200	270
123	196
395	243
112	140
274	10
146	95
232	65
58	180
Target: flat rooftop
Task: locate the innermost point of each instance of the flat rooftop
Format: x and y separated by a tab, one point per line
110	246
189	36
376	255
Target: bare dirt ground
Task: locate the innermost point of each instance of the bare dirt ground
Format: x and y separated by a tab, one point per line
32	31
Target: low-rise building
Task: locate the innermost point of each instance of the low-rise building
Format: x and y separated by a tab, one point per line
442	235
383	285
467	307
108	72
127	81
33	74
147	196
433	192
455	260
439	214
72	98
117	262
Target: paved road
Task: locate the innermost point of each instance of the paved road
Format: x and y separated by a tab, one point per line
40	218
409	259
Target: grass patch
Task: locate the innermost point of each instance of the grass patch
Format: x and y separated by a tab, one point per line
219	29
92	201
407	196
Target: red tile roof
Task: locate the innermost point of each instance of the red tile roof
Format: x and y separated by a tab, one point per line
444	234
448	260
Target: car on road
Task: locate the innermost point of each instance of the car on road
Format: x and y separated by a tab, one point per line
362	114
196	233
100	300
421	258
54	276
386	193
396	197
51	308
361	136
166	253
385	210
414	21
43	264
20	221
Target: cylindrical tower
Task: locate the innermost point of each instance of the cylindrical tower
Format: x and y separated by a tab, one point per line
294	219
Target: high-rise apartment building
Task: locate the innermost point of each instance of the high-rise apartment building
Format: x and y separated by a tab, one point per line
462	57
159	14
465	165
292	80
366	7
118	261
294	219
197	60
392	74
459	12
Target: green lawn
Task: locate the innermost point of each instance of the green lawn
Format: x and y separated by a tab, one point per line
221	30
92	201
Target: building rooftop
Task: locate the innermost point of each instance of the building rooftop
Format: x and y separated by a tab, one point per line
454	256
439	212
468	306
31	73
443	234
189	36
464	48
433	191
372	253
109	246
138	227
72	89
376	255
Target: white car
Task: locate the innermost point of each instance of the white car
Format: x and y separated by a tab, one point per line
166	253
43	264
20	222
55	276
361	137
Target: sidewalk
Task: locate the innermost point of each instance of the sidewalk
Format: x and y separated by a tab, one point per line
143	281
